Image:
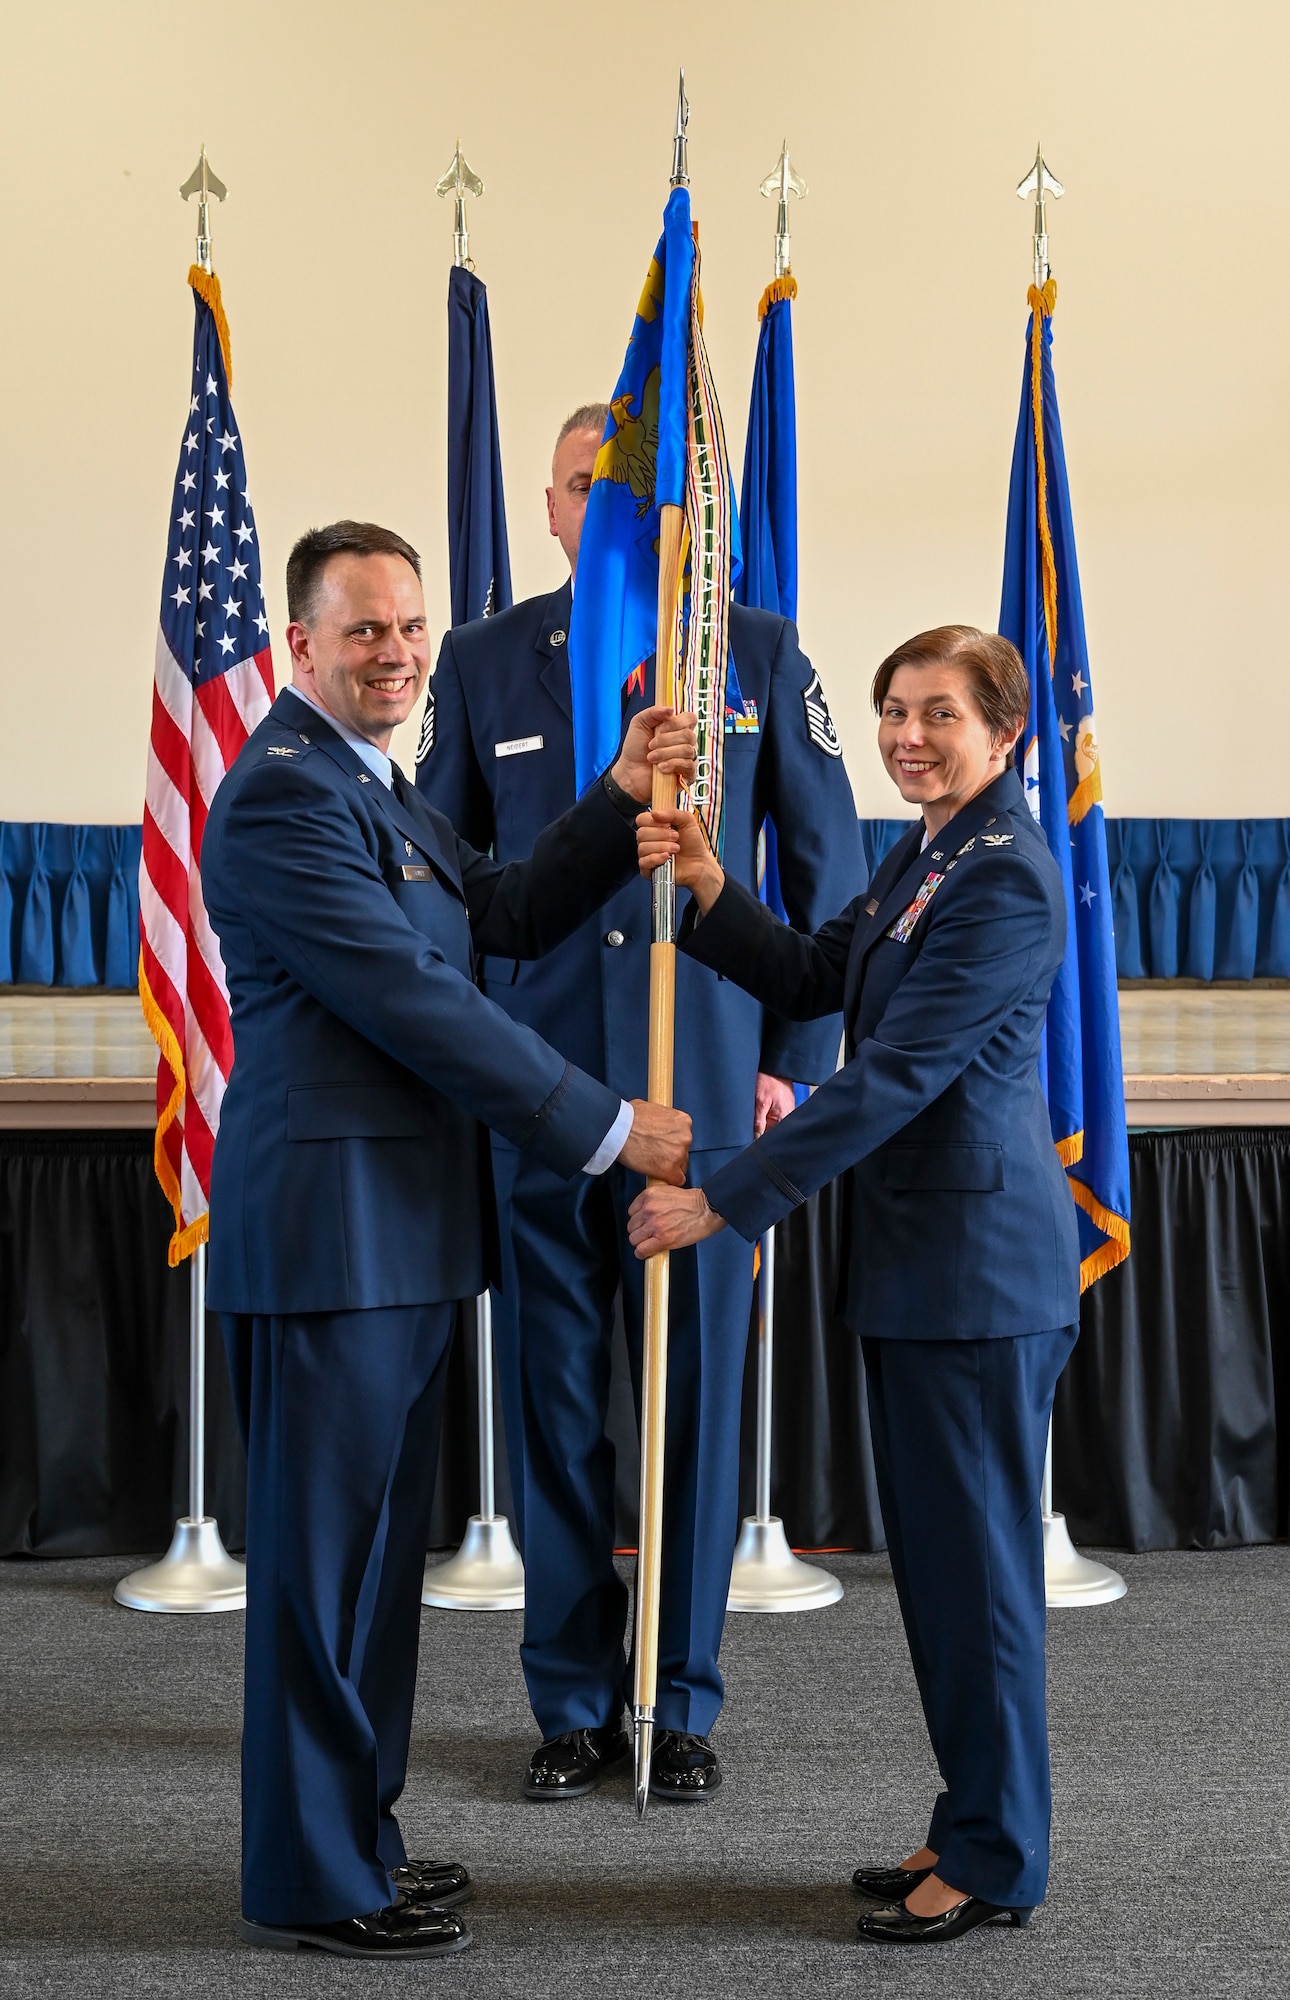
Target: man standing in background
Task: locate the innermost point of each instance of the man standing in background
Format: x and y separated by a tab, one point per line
497	760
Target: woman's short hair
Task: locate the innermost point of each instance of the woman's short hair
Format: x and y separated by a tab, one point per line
992	663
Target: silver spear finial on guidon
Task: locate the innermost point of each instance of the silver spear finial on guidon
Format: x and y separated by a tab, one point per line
1040	182
680	158
203	183
778	186
460	181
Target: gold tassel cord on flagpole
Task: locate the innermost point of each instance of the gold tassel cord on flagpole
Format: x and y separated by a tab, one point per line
206	286
662	1022
1041	304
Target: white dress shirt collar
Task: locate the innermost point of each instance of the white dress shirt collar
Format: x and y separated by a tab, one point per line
376	760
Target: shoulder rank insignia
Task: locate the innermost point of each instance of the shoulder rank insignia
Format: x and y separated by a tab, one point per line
744	724
425	742
997	839
819	723
282	750
903	927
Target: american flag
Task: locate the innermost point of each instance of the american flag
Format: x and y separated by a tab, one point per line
214	683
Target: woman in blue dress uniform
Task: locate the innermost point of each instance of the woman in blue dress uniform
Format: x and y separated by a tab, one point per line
961	1260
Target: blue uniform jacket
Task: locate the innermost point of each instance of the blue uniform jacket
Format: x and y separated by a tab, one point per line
351	1168
499	765
961	1222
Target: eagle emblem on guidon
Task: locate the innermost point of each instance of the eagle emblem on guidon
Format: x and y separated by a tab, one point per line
629	455
819	723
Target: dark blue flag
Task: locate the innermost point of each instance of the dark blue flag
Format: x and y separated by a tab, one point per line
479	565
1042	613
768	503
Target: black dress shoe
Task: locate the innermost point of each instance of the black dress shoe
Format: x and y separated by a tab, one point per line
402	1930
897	1925
888	1885
683	1768
570	1766
443	1883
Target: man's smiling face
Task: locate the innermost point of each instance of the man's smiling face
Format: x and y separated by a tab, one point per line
365	653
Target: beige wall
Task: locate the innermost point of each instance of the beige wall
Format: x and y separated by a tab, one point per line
912	123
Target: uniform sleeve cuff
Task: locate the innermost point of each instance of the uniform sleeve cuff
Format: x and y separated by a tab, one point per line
613	1142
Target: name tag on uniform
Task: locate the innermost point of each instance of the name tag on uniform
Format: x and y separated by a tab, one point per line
412	872
517	746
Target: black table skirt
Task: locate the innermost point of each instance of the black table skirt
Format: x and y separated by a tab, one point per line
1172	1427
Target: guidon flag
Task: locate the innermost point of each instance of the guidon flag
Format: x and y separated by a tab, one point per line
664	445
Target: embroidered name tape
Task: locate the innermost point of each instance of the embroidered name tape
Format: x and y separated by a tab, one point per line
517	746
903	927
819	723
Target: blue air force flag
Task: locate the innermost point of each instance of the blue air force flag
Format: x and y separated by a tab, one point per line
1042	613
663	446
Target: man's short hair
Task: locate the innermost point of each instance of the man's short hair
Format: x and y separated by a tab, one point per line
993	665
315	549
587	417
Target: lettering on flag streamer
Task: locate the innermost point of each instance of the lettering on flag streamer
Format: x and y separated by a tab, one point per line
708	519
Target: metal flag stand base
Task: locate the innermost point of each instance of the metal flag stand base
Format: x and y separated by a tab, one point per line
766	1575
486	1574
1069	1577
196	1573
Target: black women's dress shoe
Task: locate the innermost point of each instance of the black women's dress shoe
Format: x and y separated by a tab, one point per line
402	1930
888	1885
443	1883
897	1925
683	1768
570	1766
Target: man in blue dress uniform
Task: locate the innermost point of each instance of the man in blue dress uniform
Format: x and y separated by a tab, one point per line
352	1204
496	757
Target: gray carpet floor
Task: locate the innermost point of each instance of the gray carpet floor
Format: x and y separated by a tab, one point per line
1171	1855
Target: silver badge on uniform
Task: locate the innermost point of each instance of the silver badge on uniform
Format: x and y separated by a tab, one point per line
425	742
819	723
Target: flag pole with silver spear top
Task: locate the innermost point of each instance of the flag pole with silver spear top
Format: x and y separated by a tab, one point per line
662	1024
1069	1578
765	1574
197	1573
460	181
487	1572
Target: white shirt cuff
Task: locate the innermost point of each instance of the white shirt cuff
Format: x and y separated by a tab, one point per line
613	1142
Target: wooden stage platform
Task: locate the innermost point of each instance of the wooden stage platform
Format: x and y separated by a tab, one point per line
1193	1055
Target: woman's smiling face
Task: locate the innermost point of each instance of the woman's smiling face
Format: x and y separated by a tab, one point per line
935	742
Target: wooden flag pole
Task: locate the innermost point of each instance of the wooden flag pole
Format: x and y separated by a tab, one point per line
662	1022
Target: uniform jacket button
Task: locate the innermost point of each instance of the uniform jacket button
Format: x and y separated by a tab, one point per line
614	938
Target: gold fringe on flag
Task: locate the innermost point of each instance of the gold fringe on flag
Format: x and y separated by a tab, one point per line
206	286
1113	1227
185	1239
777	289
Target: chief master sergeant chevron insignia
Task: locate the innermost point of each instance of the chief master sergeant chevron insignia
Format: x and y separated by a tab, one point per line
425	743
819	723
